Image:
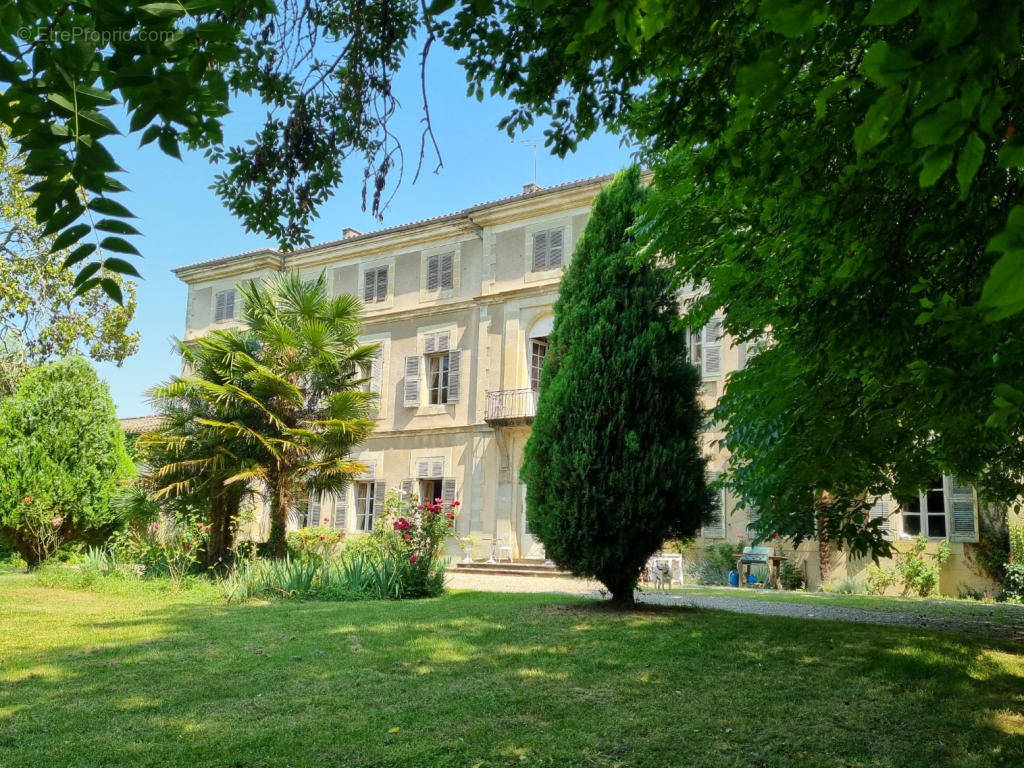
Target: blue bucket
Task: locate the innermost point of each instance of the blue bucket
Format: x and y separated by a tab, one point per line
734	579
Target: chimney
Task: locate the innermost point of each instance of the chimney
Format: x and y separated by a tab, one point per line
348	232
531	187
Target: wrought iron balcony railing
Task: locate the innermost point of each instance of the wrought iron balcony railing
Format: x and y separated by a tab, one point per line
510	407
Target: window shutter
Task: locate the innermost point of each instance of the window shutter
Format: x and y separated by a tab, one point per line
382	283
340	509
711	349
447	270
371	469
555	248
430	344
448	490
412	380
754	515
229	304
376	371
436	467
379	489
963	511
433	270
715	529
369	285
221	307
314	510
443	341
540	251
454	368
409	489
880	511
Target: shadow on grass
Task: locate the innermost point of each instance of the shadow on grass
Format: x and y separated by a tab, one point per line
483	679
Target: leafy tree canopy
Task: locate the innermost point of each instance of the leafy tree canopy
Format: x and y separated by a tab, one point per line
41	316
614	466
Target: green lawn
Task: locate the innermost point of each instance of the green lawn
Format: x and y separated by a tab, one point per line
1005	613
476	679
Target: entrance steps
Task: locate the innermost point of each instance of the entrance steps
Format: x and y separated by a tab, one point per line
515	568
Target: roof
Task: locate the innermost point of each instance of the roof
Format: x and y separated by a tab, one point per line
136	425
443	218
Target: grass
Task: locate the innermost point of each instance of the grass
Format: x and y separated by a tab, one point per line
481	680
1005	613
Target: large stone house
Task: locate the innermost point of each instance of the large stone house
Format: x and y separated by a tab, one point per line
461	305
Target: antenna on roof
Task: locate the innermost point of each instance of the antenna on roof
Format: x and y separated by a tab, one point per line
531	143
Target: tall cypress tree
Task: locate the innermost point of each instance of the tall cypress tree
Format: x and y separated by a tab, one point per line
613	465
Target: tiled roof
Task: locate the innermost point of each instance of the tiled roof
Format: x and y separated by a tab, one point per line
136	425
402	227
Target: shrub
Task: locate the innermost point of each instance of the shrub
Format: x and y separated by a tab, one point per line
880	579
617	409
413	536
715	563
846	586
920	571
991	553
791	576
315	541
1013	583
63	457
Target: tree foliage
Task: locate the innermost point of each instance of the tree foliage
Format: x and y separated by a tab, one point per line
62	456
277	404
844	177
613	465
41	316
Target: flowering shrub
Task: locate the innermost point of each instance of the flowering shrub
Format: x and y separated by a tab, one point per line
315	541
920	571
171	548
413	535
43	529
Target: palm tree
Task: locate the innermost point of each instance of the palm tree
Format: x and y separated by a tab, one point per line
282	397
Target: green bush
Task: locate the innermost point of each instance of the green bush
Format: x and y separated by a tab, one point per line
1013	584
880	579
846	586
63	458
715	563
920	571
991	553
791	576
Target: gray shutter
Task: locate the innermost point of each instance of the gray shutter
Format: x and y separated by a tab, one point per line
753	515
711	349
447	270
436	467
448	490
340	509
229	304
412	380
540	251
430	344
443	341
963	510
433	273
382	283
315	516
715	529
371	469
221	308
881	511
454	369
369	284
377	371
379	489
409	489
555	248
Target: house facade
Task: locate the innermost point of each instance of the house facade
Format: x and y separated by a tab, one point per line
461	305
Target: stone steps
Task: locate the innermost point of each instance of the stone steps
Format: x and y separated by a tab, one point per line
517	568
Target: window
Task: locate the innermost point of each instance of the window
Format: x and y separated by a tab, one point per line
309	512
339	518
705	348
547	249
430	489
927	513
438	367
440	271
375	284
368	504
225	306
538	348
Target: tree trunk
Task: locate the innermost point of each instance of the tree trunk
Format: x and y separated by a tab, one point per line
223	511
621	588
280	505
822	506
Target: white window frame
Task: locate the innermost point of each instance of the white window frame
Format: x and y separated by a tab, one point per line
366	504
535	371
437	366
430	343
947	514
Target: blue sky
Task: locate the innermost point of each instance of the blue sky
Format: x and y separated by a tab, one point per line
183	222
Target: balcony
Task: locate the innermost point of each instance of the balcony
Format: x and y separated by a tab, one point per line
511	407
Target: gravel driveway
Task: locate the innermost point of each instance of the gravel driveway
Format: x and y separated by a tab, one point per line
982	619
